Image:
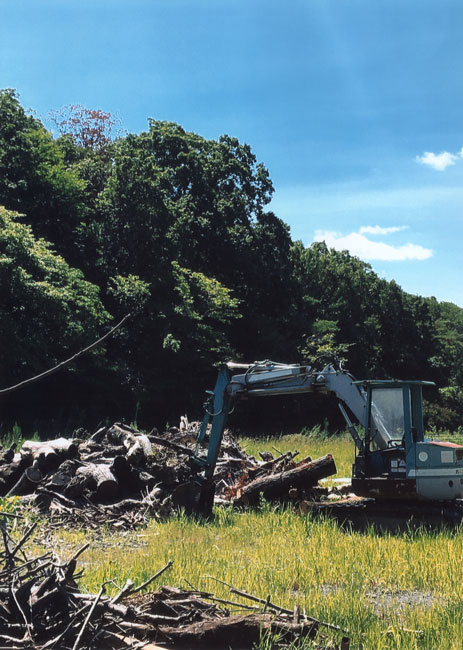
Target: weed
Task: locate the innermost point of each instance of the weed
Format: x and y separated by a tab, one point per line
390	592
310	443
15	435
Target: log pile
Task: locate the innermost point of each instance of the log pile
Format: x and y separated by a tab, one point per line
293	481
243	480
42	608
122	477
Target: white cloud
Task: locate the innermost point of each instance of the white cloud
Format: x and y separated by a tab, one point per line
439	161
360	246
378	230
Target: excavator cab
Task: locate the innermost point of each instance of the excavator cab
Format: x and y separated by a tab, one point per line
380	467
394	459
398	405
409	466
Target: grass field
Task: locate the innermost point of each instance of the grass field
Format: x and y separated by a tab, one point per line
313	444
390	592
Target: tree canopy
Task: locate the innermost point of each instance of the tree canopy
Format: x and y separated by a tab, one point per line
175	228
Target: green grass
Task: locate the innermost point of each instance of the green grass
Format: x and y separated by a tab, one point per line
359	581
16	435
341	447
333	575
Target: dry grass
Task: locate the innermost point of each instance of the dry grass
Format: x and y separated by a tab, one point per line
381	588
375	586
341	447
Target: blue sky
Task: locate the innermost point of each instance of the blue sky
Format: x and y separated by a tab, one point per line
355	106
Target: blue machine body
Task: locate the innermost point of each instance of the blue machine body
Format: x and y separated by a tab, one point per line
394	459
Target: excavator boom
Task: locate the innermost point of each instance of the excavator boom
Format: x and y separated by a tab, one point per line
394	459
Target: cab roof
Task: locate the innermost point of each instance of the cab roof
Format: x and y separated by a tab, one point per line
392	383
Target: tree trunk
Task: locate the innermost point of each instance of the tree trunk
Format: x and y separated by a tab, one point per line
50	453
99	479
277	485
235	632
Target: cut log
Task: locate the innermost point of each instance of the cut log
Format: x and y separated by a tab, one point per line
234	632
7	455
98	435
126	475
118	433
51	452
62	446
106	485
10	473
305	475
254	472
27	482
140	450
99	479
138	445
63	476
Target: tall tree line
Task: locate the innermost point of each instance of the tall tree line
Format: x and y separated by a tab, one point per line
175	229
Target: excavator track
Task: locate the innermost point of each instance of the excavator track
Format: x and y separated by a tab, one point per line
394	459
361	514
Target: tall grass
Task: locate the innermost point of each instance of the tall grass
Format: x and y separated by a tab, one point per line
390	592
308	443
16	435
375	586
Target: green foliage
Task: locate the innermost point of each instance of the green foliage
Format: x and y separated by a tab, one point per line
202	298
34	179
185	215
339	289
46	307
171	343
446	412
16	435
173	227
130	292
448	333
383	331
323	342
11	505
202	306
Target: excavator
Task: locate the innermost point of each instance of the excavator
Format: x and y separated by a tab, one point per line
394	461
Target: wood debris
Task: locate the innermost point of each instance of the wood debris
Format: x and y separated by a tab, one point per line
121	477
42	608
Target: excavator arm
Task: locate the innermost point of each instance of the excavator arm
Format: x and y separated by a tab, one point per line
267	378
394	458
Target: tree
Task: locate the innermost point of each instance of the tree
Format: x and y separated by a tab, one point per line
34	179
342	290
47	309
448	340
89	128
389	332
175	200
